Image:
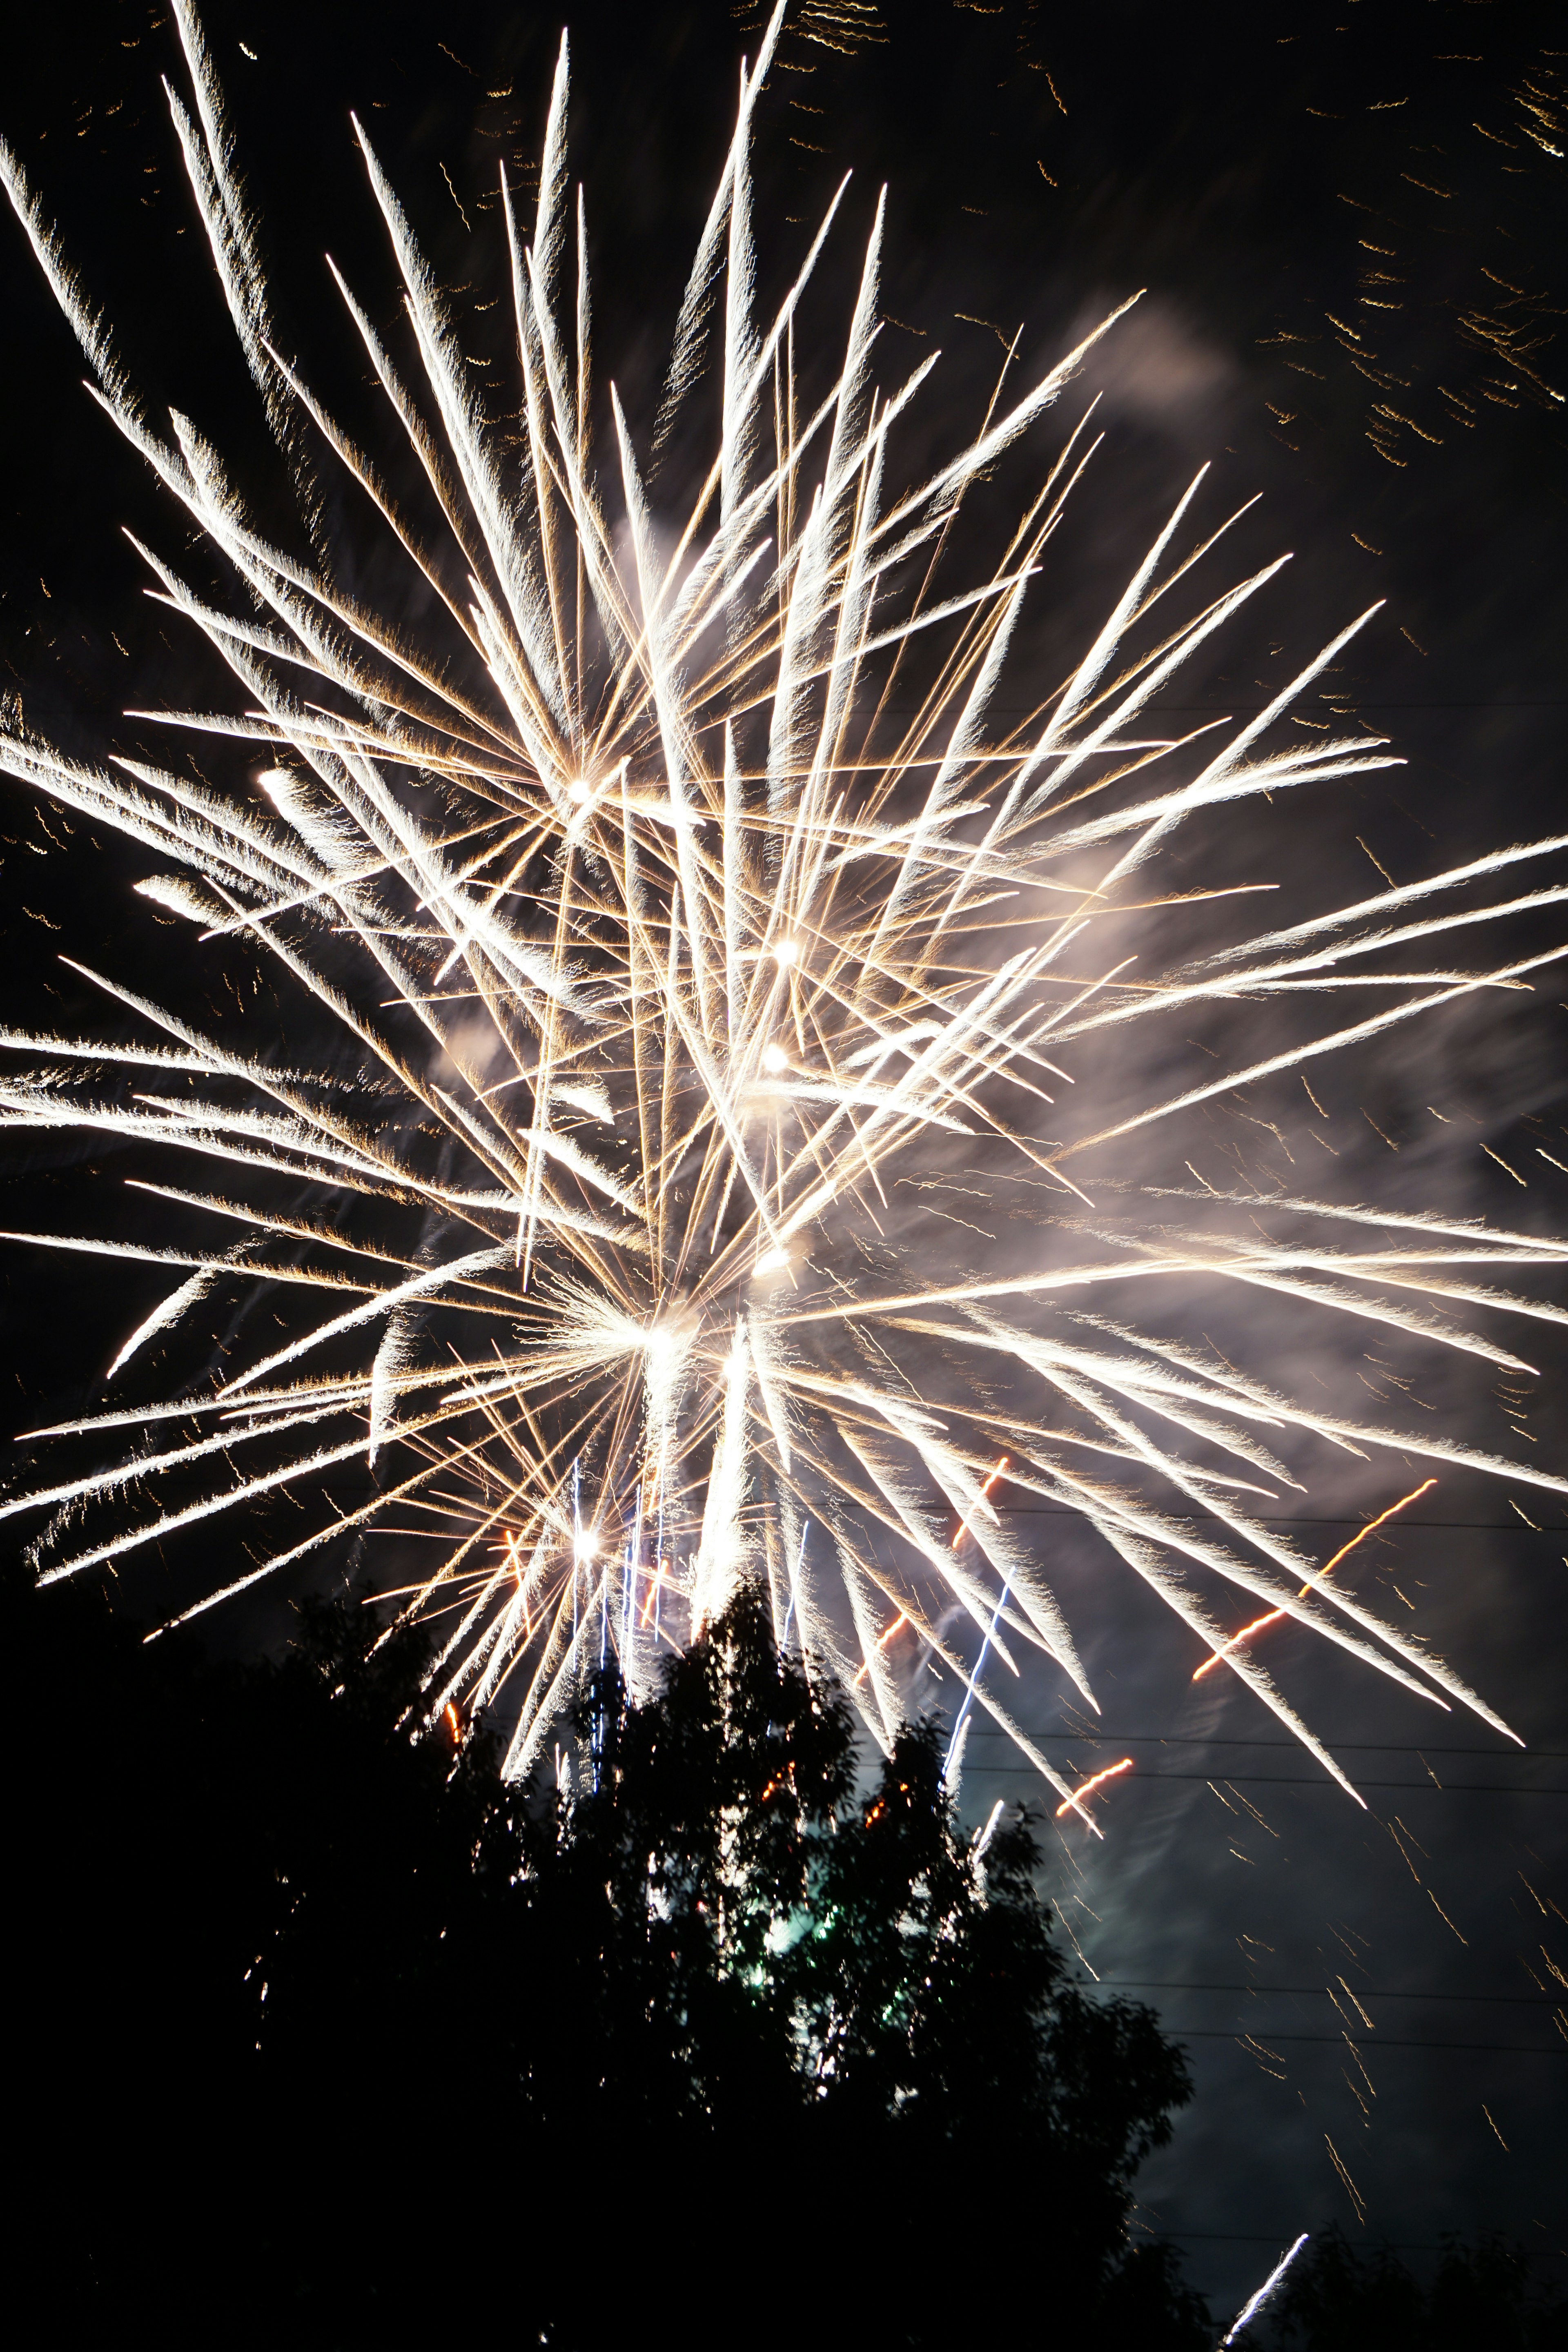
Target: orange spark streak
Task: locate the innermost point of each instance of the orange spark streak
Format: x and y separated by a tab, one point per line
959	1538
883	1640
452	1719
656	1576
1092	1783
1275	1616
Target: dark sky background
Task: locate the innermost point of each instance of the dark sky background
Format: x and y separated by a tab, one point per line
1352	221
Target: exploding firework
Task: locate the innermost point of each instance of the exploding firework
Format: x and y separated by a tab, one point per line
676	899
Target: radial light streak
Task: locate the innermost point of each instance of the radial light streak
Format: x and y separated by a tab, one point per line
678	1010
1277	1616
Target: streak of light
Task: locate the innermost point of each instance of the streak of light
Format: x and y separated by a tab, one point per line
656	1578
883	1639
1095	1780
962	1537
1254	2304
982	1837
1277	1616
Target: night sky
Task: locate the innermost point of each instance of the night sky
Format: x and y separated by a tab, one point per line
1352	222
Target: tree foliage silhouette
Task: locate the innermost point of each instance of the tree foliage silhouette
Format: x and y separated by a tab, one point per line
336	2035
1338	2300
771	1986
319	2034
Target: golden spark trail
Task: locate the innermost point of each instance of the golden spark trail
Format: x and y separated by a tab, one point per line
1277	1616
962	1536
1095	1780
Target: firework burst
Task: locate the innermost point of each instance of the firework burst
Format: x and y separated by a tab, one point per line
664	943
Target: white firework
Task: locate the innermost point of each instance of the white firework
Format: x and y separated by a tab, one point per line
663	948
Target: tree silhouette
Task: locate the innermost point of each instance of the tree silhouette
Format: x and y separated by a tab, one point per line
1336	2300
320	2035
801	2023
332	2036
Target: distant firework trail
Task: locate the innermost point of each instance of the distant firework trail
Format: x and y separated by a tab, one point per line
679	904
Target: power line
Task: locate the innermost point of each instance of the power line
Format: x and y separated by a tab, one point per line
1176	1984
1291	1519
1299	1780
1206	1739
1282	2238
1245	709
1337	2042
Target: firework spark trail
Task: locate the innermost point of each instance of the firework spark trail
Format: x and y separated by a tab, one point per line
1095	1780
666	947
1255	2303
1277	1616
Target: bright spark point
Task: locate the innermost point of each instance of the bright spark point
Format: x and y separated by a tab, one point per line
498	1222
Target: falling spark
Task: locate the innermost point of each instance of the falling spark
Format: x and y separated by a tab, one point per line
963	1536
1277	1616
1096	1780
983	1836
1251	2308
638	944
883	1640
